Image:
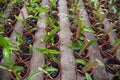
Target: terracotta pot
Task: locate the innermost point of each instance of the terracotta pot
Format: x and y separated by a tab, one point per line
93	18
73	38
24	54
13	19
111	66
8	30
103	50
3	5
57	55
89	10
1	53
79	67
27	29
29	38
24	73
15	11
33	20
97	28
56	41
56	74
111	16
102	38
19	5
85	55
73	28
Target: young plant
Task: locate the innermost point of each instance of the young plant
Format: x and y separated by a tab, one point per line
8	48
47	70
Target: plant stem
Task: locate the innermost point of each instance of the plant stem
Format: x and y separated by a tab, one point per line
84	46
95	63
44	71
24	20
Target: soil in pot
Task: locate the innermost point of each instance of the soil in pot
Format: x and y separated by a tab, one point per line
55	74
3	5
33	20
24	54
104	49
24	72
79	68
15	11
8	28
29	38
112	66
73	27
84	55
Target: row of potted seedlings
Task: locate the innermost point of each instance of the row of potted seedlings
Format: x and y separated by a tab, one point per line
19	69
81	44
107	50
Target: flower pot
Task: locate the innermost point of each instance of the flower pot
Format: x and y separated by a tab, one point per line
56	42
84	55
3	5
89	10
33	20
55	48
12	19
111	16
24	53
112	65
15	11
1	53
97	28
29	38
79	67
93	18
30	27
74	40
8	30
23	73
73	28
104	51
102	38
56	74
19	5
48	28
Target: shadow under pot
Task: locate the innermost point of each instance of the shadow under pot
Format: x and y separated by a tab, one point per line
24	53
101	38
15	11
8	28
1	53
105	50
57	56
97	27
84	55
79	68
22	73
29	38
3	5
112	66
31	27
55	74
12	19
55	41
73	27
93	18
74	40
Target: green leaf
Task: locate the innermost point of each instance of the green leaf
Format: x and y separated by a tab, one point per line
5	66
50	69
117	40
81	61
51	34
88	77
31	47
17	68
88	29
91	42
34	74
